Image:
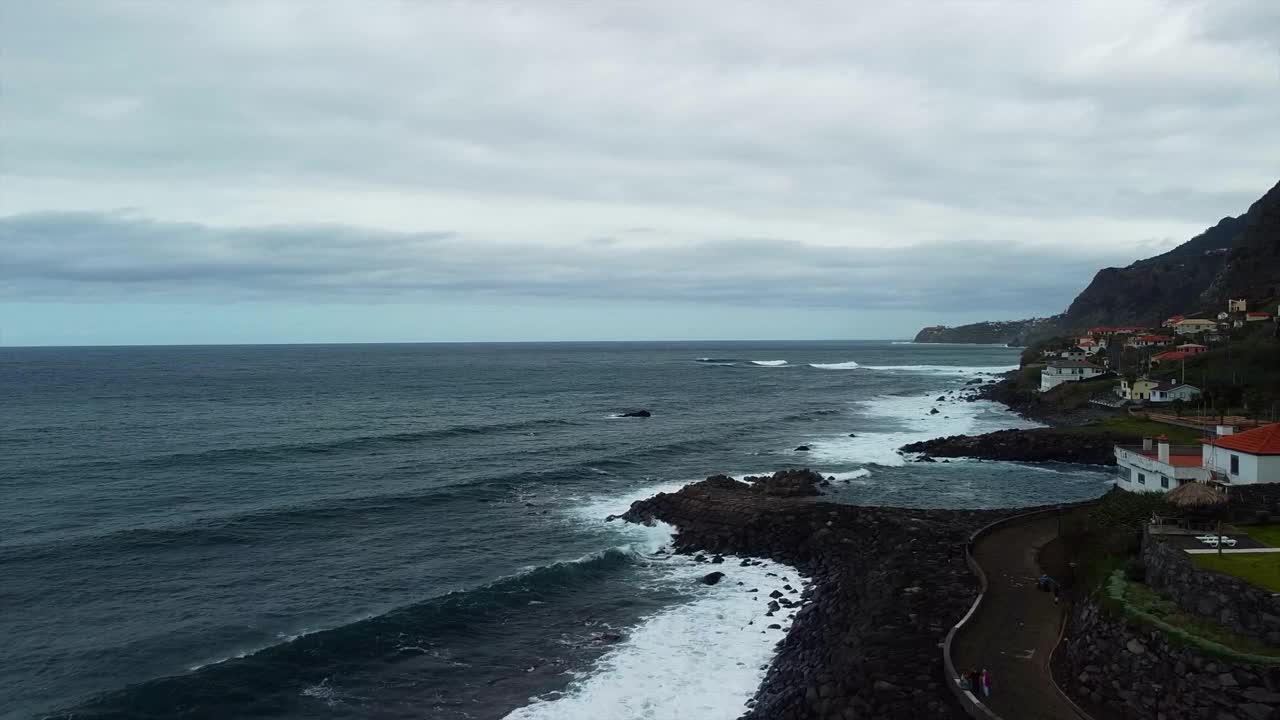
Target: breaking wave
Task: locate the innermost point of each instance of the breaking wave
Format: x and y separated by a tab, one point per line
851	365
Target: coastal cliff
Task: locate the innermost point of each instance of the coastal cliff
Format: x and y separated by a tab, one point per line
1238	257
999	332
886	584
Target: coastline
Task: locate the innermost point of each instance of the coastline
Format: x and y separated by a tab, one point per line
887	584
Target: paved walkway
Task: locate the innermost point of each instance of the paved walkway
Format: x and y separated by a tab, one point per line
1016	628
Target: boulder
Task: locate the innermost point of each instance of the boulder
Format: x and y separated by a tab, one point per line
712	578
636	414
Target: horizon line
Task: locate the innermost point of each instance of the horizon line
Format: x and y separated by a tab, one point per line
453	342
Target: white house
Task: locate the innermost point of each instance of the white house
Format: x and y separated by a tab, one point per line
1064	371
1075	353
1190	326
1139	389
1144	341
1158	466
1244	458
1170	391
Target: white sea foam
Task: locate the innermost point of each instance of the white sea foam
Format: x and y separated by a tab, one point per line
769	363
701	659
907	419
945	369
851	365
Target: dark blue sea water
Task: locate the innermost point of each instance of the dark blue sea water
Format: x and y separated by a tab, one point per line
416	531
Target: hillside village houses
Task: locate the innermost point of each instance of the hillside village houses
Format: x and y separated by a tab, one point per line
1228	458
1078	362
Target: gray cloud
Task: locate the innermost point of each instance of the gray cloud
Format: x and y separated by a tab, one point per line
988	154
96	257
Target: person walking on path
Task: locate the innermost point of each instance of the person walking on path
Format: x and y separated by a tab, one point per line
986	683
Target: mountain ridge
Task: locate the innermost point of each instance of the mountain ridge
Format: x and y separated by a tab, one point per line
1238	257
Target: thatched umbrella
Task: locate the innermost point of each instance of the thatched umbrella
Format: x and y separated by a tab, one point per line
1199	496
1195	495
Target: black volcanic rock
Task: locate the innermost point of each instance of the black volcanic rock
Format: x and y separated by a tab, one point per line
855	639
788	483
712	578
636	414
1038	445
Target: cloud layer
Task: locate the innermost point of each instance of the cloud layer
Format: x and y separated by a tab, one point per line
851	154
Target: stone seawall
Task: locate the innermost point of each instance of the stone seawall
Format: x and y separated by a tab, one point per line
1232	602
887	584
1119	669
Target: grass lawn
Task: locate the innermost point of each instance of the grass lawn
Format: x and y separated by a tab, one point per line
1262	569
1144	598
1136	428
1268	535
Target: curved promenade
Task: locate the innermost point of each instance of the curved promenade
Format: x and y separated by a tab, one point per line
1014	627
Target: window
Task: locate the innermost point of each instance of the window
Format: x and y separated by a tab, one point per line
1164	482
1142	479
1235	464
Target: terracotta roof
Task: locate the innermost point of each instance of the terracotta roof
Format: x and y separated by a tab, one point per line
1259	441
1155	338
1177	318
1171	355
1257	315
1176	460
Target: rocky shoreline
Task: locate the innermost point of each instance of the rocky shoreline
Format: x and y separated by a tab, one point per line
885	585
1039	445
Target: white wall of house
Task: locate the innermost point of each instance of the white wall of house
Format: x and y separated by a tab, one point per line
1139	473
1051	377
1184	393
1250	469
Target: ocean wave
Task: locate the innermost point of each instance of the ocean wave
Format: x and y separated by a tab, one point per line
288	452
274	674
769	363
718	361
945	369
907	419
701	659
851	365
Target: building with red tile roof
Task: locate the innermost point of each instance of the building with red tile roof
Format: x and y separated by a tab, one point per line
1245	458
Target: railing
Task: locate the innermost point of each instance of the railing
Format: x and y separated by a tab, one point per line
972	705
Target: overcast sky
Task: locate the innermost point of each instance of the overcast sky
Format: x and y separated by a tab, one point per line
365	171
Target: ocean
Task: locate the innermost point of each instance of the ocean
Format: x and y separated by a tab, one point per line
418	531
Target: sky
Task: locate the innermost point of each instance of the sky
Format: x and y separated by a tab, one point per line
331	171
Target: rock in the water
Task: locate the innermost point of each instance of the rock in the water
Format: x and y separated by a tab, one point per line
637	414
934	411
712	578
802	448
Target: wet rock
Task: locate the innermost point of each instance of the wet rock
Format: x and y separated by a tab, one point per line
802	448
712	578
847	628
636	414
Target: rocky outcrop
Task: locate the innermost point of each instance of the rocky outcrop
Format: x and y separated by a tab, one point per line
784	483
1231	602
1118	669
886	584
1041	445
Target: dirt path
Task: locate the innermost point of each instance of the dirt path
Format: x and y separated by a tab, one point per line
1016	628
